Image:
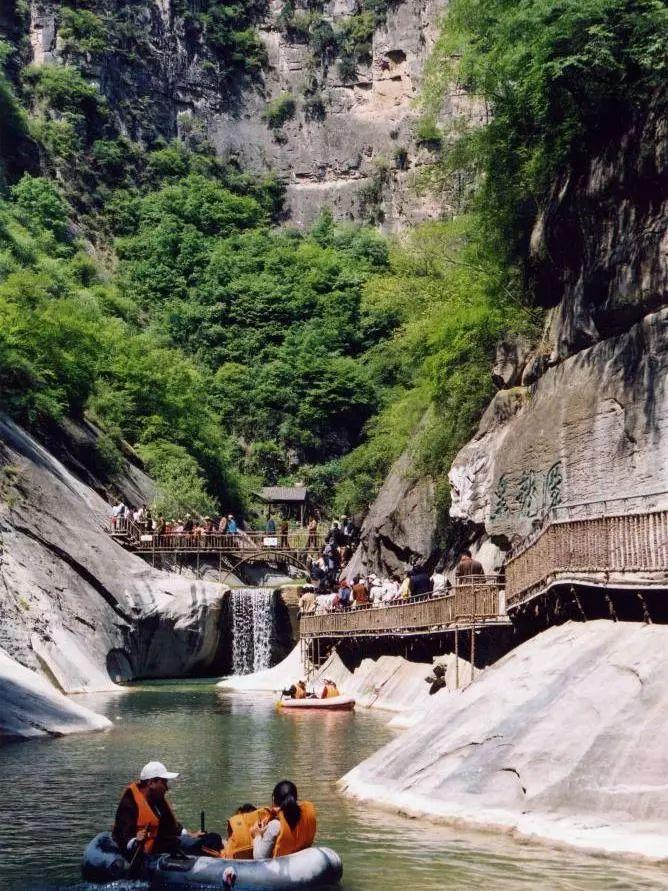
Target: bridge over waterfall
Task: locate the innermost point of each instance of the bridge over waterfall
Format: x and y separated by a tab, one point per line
231	552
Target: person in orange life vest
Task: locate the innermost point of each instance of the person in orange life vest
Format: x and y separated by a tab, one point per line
329	690
145	818
290	827
239	844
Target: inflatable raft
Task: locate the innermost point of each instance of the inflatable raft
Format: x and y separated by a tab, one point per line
311	868
331	704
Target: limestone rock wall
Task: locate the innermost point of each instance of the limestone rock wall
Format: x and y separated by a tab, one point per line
400	527
74	605
31	707
562	739
358	155
593	427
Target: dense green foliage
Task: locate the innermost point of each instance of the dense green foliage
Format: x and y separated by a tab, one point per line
69	341
274	316
453	302
558	78
228	352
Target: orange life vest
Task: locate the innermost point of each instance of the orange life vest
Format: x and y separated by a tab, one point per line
146	817
290	841
300	692
331	690
239	844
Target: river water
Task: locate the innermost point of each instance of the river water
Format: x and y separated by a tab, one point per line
232	748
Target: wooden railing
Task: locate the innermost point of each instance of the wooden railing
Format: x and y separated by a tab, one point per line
477	600
608	549
139	539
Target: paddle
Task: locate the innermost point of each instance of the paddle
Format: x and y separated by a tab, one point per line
139	847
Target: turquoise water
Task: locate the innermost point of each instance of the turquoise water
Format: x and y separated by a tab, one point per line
231	748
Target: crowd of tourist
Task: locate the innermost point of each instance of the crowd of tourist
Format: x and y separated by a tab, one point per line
325	553
326	594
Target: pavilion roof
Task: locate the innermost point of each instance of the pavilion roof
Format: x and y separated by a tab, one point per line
282	493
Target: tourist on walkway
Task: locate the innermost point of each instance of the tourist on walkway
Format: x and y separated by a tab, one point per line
291	827
420	581
145	824
271	525
360	593
312	541
467	566
439	582
345	595
285	528
307	600
232	527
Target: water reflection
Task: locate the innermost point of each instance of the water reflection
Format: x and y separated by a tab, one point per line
231	748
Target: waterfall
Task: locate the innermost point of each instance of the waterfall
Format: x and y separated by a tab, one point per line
252	626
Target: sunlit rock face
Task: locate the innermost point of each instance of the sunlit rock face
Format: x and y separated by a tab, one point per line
32	707
593	427
77	607
561	739
357	153
400	527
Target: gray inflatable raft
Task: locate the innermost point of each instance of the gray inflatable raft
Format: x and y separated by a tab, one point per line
311	868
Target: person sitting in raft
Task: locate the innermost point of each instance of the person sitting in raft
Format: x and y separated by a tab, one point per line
329	690
290	827
146	826
239	844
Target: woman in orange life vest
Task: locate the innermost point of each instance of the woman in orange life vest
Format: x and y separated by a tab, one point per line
290	827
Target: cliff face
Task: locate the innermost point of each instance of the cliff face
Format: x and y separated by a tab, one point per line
589	419
581	416
347	142
74	605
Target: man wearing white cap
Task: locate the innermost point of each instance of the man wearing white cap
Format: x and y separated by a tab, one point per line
145	822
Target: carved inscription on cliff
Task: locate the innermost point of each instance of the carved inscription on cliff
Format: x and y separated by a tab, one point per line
528	494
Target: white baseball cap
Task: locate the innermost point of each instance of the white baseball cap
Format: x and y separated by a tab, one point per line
156	770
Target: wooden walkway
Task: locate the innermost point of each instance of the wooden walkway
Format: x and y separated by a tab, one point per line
232	551
477	601
620	550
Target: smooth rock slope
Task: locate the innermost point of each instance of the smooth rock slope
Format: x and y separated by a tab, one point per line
563	739
31	707
77	607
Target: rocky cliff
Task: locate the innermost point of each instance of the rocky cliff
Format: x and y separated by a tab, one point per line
559	740
76	607
340	139
582	415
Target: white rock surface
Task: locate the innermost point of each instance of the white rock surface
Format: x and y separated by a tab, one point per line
594	427
390	683
563	739
74	604
271	680
31	707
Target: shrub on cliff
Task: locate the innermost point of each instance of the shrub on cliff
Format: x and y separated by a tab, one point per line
557	78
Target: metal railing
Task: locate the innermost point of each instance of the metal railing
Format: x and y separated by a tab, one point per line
611	546
476	600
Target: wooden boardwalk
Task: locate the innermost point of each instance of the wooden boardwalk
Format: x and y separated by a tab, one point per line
620	550
475	602
232	551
